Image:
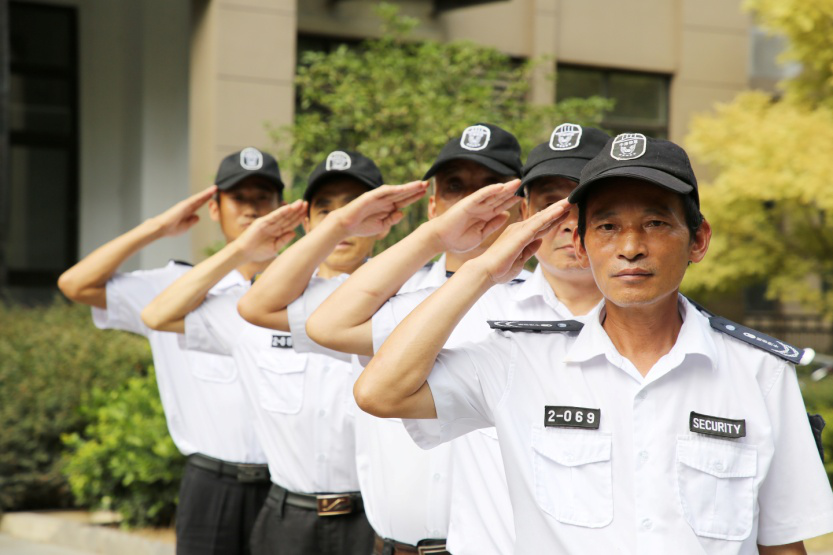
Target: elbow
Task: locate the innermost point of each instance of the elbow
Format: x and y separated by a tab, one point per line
152	319
69	287
317	330
373	400
249	311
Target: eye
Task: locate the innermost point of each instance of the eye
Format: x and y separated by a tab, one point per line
656	223
605	227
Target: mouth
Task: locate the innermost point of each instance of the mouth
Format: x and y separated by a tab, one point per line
633	274
344	245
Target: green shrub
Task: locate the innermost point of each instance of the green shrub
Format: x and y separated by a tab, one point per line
125	460
818	397
51	357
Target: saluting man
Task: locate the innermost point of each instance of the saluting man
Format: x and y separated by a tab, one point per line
208	417
646	427
407	491
303	403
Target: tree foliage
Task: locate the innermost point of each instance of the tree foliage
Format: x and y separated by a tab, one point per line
399	101
770	202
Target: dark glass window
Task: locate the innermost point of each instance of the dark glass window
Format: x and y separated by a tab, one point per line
42	223
641	98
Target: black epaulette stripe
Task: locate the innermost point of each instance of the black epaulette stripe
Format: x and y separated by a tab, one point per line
182	263
757	339
518	280
536	326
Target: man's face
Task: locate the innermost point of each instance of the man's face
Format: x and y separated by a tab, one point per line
458	179
557	253
329	197
637	243
238	207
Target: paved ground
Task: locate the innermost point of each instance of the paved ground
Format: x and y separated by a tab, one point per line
14	546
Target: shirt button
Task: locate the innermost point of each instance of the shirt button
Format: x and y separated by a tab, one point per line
718	466
437	477
322	457
647	524
641	395
643	455
322	412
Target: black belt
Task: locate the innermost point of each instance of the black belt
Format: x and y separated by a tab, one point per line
325	504
245	473
385	546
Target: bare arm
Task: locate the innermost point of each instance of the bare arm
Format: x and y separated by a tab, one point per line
286	278
796	548
394	384
260	241
86	281
343	321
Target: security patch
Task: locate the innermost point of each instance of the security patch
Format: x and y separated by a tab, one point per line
628	146
566	136
716	426
572	417
282	341
251	159
476	137
338	161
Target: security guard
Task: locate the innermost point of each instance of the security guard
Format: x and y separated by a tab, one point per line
226	479
406	490
645	427
301	401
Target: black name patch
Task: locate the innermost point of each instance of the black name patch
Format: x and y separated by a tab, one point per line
282	341
715	426
572	417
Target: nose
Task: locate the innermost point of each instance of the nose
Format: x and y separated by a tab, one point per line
631	246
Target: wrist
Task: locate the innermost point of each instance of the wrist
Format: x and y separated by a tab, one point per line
476	275
334	227
152	228
429	236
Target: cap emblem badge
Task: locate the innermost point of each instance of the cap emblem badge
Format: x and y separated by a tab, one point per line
628	146
251	159
338	161
476	137
566	136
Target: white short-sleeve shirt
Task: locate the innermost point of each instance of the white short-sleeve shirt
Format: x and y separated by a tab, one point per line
644	481
205	406
481	520
301	401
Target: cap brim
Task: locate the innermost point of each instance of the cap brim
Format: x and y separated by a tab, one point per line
231	181
651	175
490	163
323	178
568	168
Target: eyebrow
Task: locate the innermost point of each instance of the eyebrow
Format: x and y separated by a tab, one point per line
652	210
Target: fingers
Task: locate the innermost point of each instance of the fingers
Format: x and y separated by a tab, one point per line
409	200
195	201
494	224
397	193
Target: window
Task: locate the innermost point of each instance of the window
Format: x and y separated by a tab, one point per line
641	98
42	231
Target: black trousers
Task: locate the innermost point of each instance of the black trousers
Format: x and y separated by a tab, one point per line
282	529
216	514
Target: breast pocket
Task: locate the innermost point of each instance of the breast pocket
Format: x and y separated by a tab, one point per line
213	368
573	475
717	486
281	382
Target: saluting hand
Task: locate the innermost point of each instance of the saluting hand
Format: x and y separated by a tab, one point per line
180	217
376	211
505	259
466	224
268	234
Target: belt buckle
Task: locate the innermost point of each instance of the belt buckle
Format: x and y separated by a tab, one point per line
334	504
250	473
429	549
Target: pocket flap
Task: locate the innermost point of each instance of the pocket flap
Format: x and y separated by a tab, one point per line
286	363
723	460
570	447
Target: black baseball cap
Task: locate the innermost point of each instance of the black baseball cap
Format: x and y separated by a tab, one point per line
344	163
245	163
569	149
486	144
634	155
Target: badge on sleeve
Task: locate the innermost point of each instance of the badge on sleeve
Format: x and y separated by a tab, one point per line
571	417
716	426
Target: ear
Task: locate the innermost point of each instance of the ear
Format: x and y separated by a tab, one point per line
214	208
525	208
581	252
700	244
432	207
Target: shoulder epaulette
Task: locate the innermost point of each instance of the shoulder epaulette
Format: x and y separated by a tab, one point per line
518	280
182	263
536	326
755	338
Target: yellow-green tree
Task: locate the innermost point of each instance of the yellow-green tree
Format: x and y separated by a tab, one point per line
770	202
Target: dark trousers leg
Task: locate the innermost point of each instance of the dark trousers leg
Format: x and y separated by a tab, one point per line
285	530
216	514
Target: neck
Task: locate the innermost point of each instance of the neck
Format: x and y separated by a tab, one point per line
644	334
328	271
576	290
249	269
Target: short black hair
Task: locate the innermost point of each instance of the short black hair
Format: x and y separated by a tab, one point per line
691	210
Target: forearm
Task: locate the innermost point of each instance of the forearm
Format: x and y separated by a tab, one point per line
342	320
86	281
167	312
394	382
285	279
796	548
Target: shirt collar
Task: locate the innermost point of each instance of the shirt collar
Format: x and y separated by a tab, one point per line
694	339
